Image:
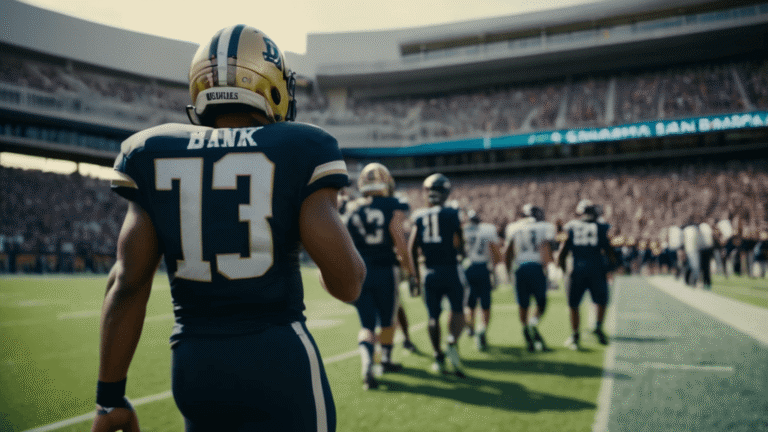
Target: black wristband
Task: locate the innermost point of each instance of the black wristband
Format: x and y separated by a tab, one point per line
111	394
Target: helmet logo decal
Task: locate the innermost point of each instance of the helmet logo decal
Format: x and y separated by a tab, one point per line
272	54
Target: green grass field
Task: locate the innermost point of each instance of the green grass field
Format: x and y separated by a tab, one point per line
748	290
49	356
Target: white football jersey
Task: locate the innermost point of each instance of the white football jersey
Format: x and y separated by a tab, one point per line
528	237
477	240
675	237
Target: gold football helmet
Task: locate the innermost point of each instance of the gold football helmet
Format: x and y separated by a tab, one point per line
240	65
375	179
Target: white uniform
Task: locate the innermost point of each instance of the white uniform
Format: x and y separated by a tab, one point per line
528	237
691	245
477	241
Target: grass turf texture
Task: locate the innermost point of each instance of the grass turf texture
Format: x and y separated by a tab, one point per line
49	360
753	291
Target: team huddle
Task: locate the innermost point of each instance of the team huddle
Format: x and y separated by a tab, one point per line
451	254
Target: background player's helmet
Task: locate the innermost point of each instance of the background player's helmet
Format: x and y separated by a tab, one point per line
586	209
375	179
530	210
438	188
239	69
473	217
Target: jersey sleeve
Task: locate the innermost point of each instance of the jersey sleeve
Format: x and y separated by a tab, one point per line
326	165
128	175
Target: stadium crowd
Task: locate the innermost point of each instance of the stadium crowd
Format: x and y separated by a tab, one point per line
591	101
54	222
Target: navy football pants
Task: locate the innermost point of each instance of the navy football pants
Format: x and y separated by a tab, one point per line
272	380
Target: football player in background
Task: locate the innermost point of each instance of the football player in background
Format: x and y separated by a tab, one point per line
228	202
376	222
589	243
481	243
529	244
437	236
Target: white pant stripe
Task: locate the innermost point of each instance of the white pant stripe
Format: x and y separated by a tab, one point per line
317	385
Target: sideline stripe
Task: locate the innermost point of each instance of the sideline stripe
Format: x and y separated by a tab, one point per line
168	394
744	317
605	395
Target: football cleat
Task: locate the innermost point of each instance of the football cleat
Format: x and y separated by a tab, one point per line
240	67
573	342
438	187
438	366
409	346
528	340
601	337
538	341
482	342
453	356
370	382
375	179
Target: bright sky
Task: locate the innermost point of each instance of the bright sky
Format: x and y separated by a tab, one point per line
286	22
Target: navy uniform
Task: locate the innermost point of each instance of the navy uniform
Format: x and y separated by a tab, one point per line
437	234
590	245
225	204
368	224
435	228
587	241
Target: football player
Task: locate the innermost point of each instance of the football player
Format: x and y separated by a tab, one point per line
376	223
437	236
589	244
481	242
529	243
228	201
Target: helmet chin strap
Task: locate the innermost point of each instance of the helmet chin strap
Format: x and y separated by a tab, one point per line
193	117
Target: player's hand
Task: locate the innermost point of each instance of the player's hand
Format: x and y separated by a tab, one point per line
414	286
115	419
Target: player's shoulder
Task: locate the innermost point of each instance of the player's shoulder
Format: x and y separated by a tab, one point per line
301	132
572	224
488	228
423	212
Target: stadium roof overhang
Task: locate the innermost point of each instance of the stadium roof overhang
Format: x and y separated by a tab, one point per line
554	65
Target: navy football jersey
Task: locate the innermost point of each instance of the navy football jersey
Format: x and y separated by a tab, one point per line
368	222
225	204
587	240
435	229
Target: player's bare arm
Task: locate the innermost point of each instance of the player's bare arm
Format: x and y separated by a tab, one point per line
509	254
122	316
545	249
563	254
496	255
328	243
458	242
397	231
415	279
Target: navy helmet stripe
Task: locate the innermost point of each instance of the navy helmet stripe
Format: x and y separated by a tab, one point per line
214	44
234	40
